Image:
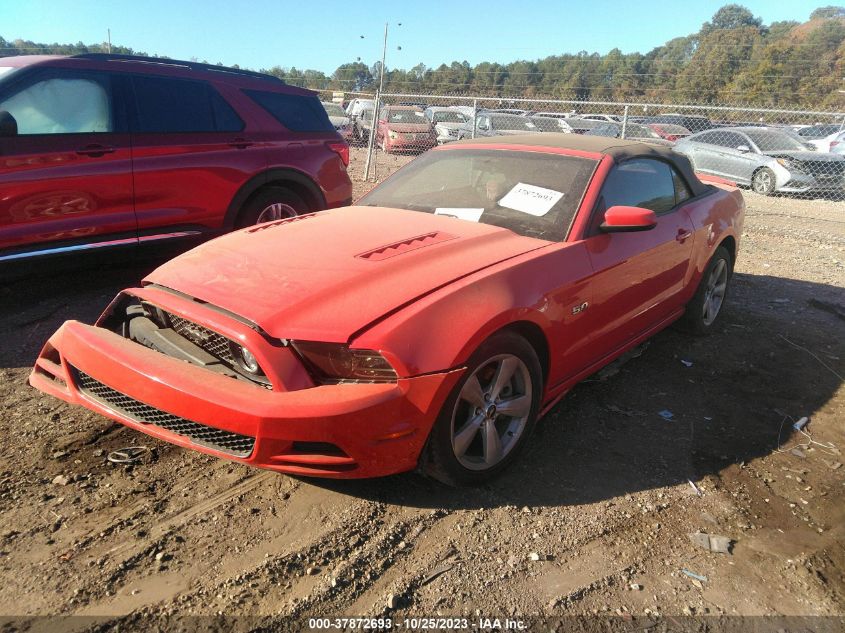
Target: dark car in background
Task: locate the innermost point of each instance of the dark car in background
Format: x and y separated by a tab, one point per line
111	150
632	131
692	122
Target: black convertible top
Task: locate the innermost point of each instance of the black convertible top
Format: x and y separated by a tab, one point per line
618	149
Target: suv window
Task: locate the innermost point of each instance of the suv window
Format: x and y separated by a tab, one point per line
295	112
642	183
166	105
63	105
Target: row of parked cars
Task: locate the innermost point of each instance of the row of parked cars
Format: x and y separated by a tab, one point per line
769	159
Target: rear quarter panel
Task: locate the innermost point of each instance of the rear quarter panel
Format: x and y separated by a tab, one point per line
718	219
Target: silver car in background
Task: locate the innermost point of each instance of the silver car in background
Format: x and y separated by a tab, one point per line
767	159
341	122
449	124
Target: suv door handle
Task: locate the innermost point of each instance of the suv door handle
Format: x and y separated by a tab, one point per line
241	143
682	235
95	150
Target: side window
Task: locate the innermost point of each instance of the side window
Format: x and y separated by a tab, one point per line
729	139
297	113
225	118
641	182
682	191
73	104
172	105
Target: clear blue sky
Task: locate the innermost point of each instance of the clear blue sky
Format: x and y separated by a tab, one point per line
324	34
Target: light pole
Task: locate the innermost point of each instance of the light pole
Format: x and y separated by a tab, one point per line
376	108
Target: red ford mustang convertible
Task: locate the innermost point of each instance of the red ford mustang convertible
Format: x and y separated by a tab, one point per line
429	326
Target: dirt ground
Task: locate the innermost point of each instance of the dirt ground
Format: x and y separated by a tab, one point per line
594	519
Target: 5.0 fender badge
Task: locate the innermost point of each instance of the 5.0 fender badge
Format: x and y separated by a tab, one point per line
580	308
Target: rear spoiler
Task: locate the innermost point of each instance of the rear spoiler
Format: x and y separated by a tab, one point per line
724	183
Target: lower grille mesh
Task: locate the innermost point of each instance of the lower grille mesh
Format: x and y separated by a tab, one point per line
224	441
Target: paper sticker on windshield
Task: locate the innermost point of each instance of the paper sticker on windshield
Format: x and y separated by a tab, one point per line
472	215
530	199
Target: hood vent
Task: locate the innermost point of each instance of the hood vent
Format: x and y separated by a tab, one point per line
410	244
270	225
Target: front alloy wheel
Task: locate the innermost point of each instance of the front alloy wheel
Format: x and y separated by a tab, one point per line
714	294
489	414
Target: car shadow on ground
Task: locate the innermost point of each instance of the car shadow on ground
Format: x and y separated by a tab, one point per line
608	438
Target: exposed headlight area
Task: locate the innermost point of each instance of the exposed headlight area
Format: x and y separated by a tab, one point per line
333	363
177	337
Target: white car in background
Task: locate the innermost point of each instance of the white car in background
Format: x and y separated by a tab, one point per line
834	143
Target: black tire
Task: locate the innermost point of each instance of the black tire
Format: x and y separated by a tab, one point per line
260	203
695	320
763	181
439	459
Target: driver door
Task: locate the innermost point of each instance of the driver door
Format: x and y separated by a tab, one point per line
638	276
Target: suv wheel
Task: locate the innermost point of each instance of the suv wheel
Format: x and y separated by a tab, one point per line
270	205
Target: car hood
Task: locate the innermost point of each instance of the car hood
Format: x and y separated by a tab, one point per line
409	127
327	275
339	120
816	157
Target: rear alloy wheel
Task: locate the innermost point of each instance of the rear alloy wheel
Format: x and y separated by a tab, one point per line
763	182
704	309
270	205
489	414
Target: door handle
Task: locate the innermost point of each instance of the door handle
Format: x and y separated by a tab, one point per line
95	150
682	235
241	143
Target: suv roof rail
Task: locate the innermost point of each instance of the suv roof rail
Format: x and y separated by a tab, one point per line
166	61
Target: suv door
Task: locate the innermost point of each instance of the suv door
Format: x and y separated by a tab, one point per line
638	277
191	153
65	177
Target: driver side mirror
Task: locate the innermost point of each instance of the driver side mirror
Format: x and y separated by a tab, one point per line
743	149
621	219
8	125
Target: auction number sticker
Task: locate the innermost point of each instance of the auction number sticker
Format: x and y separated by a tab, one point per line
531	199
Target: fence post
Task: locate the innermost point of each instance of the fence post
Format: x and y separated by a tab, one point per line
474	114
624	121
372	137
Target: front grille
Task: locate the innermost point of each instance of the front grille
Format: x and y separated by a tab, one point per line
823	169
212	342
223	441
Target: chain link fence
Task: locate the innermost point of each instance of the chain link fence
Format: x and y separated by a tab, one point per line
773	152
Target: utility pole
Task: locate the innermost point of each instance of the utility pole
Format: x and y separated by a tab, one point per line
109	32
376	108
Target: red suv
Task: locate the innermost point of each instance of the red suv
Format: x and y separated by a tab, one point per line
111	150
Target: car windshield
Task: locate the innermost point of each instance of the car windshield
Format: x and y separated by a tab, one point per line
512	122
634	130
818	131
332	109
533	194
547	124
774	141
413	117
445	116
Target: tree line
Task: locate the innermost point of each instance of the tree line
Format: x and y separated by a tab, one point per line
733	58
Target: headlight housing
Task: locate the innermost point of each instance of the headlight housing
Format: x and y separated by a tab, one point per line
246	360
393	135
331	363
785	162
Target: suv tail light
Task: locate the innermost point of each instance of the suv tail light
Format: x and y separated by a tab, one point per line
342	150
